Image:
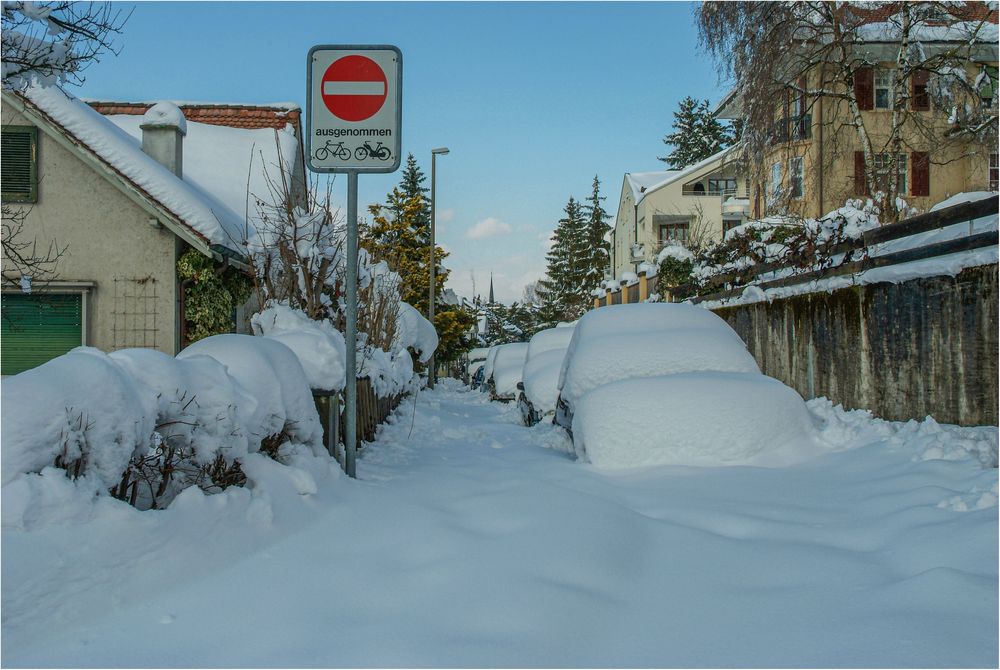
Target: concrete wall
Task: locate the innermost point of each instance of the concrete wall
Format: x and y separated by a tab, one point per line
904	351
107	237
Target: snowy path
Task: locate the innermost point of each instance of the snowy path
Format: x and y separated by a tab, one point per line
466	543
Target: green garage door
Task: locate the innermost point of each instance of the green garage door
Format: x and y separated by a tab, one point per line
37	328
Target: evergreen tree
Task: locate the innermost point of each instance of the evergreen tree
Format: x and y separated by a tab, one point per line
412	185
564	288
697	134
597	229
394	236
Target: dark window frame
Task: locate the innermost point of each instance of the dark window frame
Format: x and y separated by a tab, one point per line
32	195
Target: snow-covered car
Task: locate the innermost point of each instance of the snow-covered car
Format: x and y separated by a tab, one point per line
508	363
477	359
540	378
621	342
487	373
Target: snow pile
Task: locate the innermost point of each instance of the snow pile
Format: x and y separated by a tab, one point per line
80	408
270	373
960	198
507	367
318	345
646	340
415	332
926	440
390	374
703	418
166	114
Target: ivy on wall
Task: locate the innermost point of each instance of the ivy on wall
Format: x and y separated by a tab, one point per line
212	292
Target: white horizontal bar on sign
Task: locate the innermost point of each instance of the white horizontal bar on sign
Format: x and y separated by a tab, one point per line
353	88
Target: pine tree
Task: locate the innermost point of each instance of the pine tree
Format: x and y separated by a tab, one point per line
597	229
697	134
564	289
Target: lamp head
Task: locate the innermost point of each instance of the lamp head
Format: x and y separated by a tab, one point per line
441	150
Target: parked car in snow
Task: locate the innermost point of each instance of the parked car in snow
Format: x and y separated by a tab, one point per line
477	359
508	363
540	378
491	356
621	342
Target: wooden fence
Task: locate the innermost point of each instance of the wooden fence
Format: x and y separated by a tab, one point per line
372	411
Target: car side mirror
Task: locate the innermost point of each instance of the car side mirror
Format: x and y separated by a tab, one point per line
520	386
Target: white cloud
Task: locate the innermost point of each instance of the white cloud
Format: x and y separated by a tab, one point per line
490	227
444	215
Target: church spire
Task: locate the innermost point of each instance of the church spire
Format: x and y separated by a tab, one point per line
491	289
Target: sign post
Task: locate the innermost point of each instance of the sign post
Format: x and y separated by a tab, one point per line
353	124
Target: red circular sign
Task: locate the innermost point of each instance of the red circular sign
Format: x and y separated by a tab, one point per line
354	88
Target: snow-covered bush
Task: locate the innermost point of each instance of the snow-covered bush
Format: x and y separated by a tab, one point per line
200	414
270	372
81	412
415	332
316	343
701	418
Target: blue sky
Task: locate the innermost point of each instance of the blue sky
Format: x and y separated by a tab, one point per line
533	99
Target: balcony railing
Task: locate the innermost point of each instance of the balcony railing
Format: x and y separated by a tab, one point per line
724	193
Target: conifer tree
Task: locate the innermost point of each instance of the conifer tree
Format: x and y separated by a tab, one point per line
597	229
412	185
564	289
394	236
697	134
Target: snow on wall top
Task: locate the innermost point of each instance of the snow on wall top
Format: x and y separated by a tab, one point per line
198	209
286	106
165	113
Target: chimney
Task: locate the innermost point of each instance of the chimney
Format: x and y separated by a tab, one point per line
163	130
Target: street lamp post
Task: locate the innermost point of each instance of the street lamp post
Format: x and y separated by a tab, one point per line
432	371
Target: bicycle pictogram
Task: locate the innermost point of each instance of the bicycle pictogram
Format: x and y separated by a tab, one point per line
331	149
378	151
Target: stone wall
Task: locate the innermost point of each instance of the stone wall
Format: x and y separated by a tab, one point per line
904	351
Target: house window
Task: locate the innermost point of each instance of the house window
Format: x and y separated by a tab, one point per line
19	163
994	172
795	177
775	181
883	168
883	88
986	82
721	186
673	233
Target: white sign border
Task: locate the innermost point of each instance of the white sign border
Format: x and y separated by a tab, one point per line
399	109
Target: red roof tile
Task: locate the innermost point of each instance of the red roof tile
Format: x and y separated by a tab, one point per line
234	116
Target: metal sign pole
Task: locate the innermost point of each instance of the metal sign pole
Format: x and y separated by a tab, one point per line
351	329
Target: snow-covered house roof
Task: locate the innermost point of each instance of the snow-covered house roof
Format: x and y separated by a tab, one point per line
208	206
644	183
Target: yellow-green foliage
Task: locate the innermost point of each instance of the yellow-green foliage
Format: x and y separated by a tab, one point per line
211	294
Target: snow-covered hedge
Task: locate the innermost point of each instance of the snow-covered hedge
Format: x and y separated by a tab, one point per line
318	345
80	411
271	374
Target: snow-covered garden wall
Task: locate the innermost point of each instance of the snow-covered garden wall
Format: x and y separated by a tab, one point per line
935	337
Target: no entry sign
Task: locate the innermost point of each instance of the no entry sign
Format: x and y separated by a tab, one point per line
354	108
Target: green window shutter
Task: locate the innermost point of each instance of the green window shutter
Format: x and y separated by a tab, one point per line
19	163
36	328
